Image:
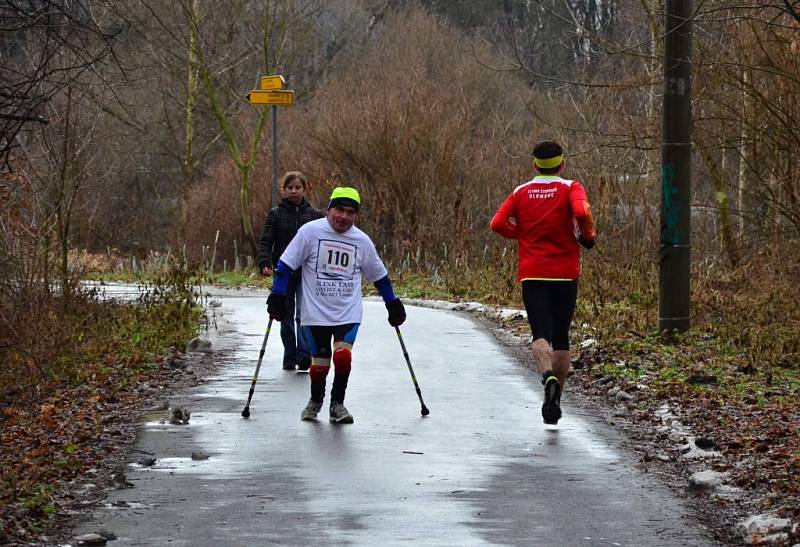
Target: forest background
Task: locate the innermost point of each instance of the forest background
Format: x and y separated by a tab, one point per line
126	141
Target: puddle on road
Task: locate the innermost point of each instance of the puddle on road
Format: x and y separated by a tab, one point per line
127	505
186	465
161	424
165	425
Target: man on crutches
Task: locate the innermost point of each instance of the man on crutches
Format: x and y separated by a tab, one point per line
549	217
333	255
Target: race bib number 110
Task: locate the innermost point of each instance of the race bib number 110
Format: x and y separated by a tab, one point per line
336	260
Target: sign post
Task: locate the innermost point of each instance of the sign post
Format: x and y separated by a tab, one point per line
274	156
270	92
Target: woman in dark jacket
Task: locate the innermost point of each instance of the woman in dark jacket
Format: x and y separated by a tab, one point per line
280	227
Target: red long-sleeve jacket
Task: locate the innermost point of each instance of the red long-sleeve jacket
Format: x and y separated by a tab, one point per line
545	216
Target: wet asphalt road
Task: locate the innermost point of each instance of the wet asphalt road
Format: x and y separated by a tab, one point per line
480	469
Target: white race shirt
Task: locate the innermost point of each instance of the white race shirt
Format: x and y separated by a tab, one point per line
332	267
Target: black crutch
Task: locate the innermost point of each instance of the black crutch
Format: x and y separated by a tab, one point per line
424	410
246	411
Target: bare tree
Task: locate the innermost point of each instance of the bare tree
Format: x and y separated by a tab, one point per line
426	133
36	39
61	161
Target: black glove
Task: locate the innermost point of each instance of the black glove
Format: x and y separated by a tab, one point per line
276	306
585	243
397	313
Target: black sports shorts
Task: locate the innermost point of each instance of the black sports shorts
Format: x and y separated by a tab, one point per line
550	306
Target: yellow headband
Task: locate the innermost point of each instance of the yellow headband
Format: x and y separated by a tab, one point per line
548	163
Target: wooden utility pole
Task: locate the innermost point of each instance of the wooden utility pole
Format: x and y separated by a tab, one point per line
676	155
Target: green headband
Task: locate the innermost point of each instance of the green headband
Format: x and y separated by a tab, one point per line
548	163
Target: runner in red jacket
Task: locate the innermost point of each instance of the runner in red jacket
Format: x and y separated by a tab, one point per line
549	217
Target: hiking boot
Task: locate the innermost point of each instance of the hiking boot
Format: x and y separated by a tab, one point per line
339	414
311	410
304	364
551	409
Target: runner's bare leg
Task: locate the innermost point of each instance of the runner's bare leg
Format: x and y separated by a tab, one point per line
561	362
542	354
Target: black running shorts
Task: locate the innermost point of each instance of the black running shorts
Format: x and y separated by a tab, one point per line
550	306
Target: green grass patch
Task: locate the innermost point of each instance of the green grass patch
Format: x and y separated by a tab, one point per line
422	286
621	369
238	279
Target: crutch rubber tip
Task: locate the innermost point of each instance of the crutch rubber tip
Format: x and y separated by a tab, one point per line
246	413
425	411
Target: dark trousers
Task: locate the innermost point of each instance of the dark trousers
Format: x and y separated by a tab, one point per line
294	349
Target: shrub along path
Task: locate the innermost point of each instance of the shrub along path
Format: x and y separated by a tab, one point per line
75	380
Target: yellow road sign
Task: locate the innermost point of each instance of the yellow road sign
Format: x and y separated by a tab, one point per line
270	83
260	97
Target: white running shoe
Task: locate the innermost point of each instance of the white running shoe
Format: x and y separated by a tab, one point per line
310	411
339	414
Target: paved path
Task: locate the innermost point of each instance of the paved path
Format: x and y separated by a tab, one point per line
480	469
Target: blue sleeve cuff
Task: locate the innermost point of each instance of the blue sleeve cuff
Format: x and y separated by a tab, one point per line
384	286
280	279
